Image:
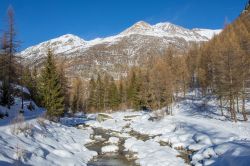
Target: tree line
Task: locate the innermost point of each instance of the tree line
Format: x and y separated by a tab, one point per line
151	86
222	66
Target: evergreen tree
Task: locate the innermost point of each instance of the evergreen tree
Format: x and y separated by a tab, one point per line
92	101
36	96
99	93
121	91
29	82
51	89
6	97
113	95
133	90
77	102
64	82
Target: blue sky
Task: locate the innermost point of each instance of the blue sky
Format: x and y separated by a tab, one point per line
41	20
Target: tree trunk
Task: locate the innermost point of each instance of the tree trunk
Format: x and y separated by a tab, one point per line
233	110
237	103
221	109
244	102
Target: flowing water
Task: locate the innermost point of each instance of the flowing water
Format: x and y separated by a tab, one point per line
122	158
109	159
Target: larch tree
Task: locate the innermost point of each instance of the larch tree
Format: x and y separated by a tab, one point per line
77	96
9	46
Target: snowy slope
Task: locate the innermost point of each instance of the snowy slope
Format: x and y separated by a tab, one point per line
32	140
207	32
164	30
62	44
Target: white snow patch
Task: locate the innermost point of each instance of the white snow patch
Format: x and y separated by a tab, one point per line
113	140
110	148
150	153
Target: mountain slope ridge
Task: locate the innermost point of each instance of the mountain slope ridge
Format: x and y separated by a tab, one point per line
141	27
114	54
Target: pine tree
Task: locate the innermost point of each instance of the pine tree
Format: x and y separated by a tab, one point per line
35	95
133	90
51	89
28	81
106	95
6	97
113	94
99	93
92	100
121	91
77	102
64	82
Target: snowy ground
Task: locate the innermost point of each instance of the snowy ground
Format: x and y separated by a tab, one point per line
195	130
35	141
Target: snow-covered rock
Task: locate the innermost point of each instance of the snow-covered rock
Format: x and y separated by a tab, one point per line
113	140
110	149
150	153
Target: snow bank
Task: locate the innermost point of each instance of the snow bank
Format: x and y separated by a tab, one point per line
150	153
45	143
110	148
118	122
113	140
30	140
144	126
229	153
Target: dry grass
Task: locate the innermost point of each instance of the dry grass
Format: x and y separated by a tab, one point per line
41	122
20	126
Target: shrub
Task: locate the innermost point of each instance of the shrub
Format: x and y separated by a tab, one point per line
19	126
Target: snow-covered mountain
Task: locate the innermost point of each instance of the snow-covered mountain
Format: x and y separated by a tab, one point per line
58	45
208	33
166	30
115	53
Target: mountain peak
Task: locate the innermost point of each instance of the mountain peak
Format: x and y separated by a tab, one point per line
142	24
58	45
138	27
68	38
167	26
